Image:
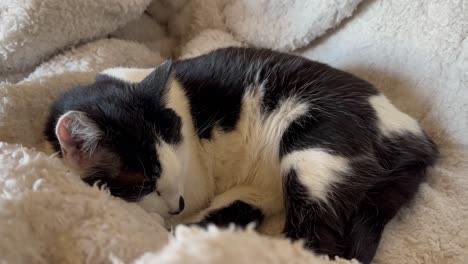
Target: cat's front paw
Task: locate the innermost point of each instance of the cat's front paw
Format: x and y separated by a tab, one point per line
201	224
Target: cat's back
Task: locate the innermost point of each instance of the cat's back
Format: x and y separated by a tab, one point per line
230	83
229	74
233	68
283	103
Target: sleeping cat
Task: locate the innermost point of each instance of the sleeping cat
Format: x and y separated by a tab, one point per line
243	135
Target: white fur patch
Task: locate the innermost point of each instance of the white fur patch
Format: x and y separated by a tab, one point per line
249	155
133	75
199	183
276	124
178	101
262	134
316	169
390	119
171	182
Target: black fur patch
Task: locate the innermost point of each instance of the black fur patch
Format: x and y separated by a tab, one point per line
347	134
238	213
215	84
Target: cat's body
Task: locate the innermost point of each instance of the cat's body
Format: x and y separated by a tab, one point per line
253	135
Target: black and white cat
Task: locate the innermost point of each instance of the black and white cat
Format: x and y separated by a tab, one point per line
246	135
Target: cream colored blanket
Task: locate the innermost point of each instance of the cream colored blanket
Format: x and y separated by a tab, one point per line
416	51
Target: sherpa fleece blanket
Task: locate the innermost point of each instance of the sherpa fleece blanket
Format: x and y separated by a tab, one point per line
415	51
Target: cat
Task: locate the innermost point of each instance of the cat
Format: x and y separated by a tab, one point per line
245	134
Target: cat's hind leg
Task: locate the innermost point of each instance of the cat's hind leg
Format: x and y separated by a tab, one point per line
320	229
321	192
405	159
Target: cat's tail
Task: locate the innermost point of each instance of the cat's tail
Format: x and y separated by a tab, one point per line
405	160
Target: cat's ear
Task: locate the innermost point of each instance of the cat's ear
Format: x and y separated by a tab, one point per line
159	77
79	137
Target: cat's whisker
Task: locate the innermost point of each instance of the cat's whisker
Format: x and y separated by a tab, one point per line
206	125
145	179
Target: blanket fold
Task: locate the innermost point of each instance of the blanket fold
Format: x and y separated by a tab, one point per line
33	30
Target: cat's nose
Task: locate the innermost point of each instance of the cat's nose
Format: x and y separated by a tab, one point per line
181	206
181	203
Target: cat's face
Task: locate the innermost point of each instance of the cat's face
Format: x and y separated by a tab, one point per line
122	135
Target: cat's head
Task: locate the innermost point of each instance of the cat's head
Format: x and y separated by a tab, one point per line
122	134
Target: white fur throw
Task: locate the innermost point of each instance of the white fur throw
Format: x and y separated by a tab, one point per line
416	51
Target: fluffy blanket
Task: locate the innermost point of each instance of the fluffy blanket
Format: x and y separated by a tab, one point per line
416	51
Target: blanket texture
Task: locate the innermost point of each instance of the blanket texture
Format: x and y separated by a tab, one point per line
415	51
